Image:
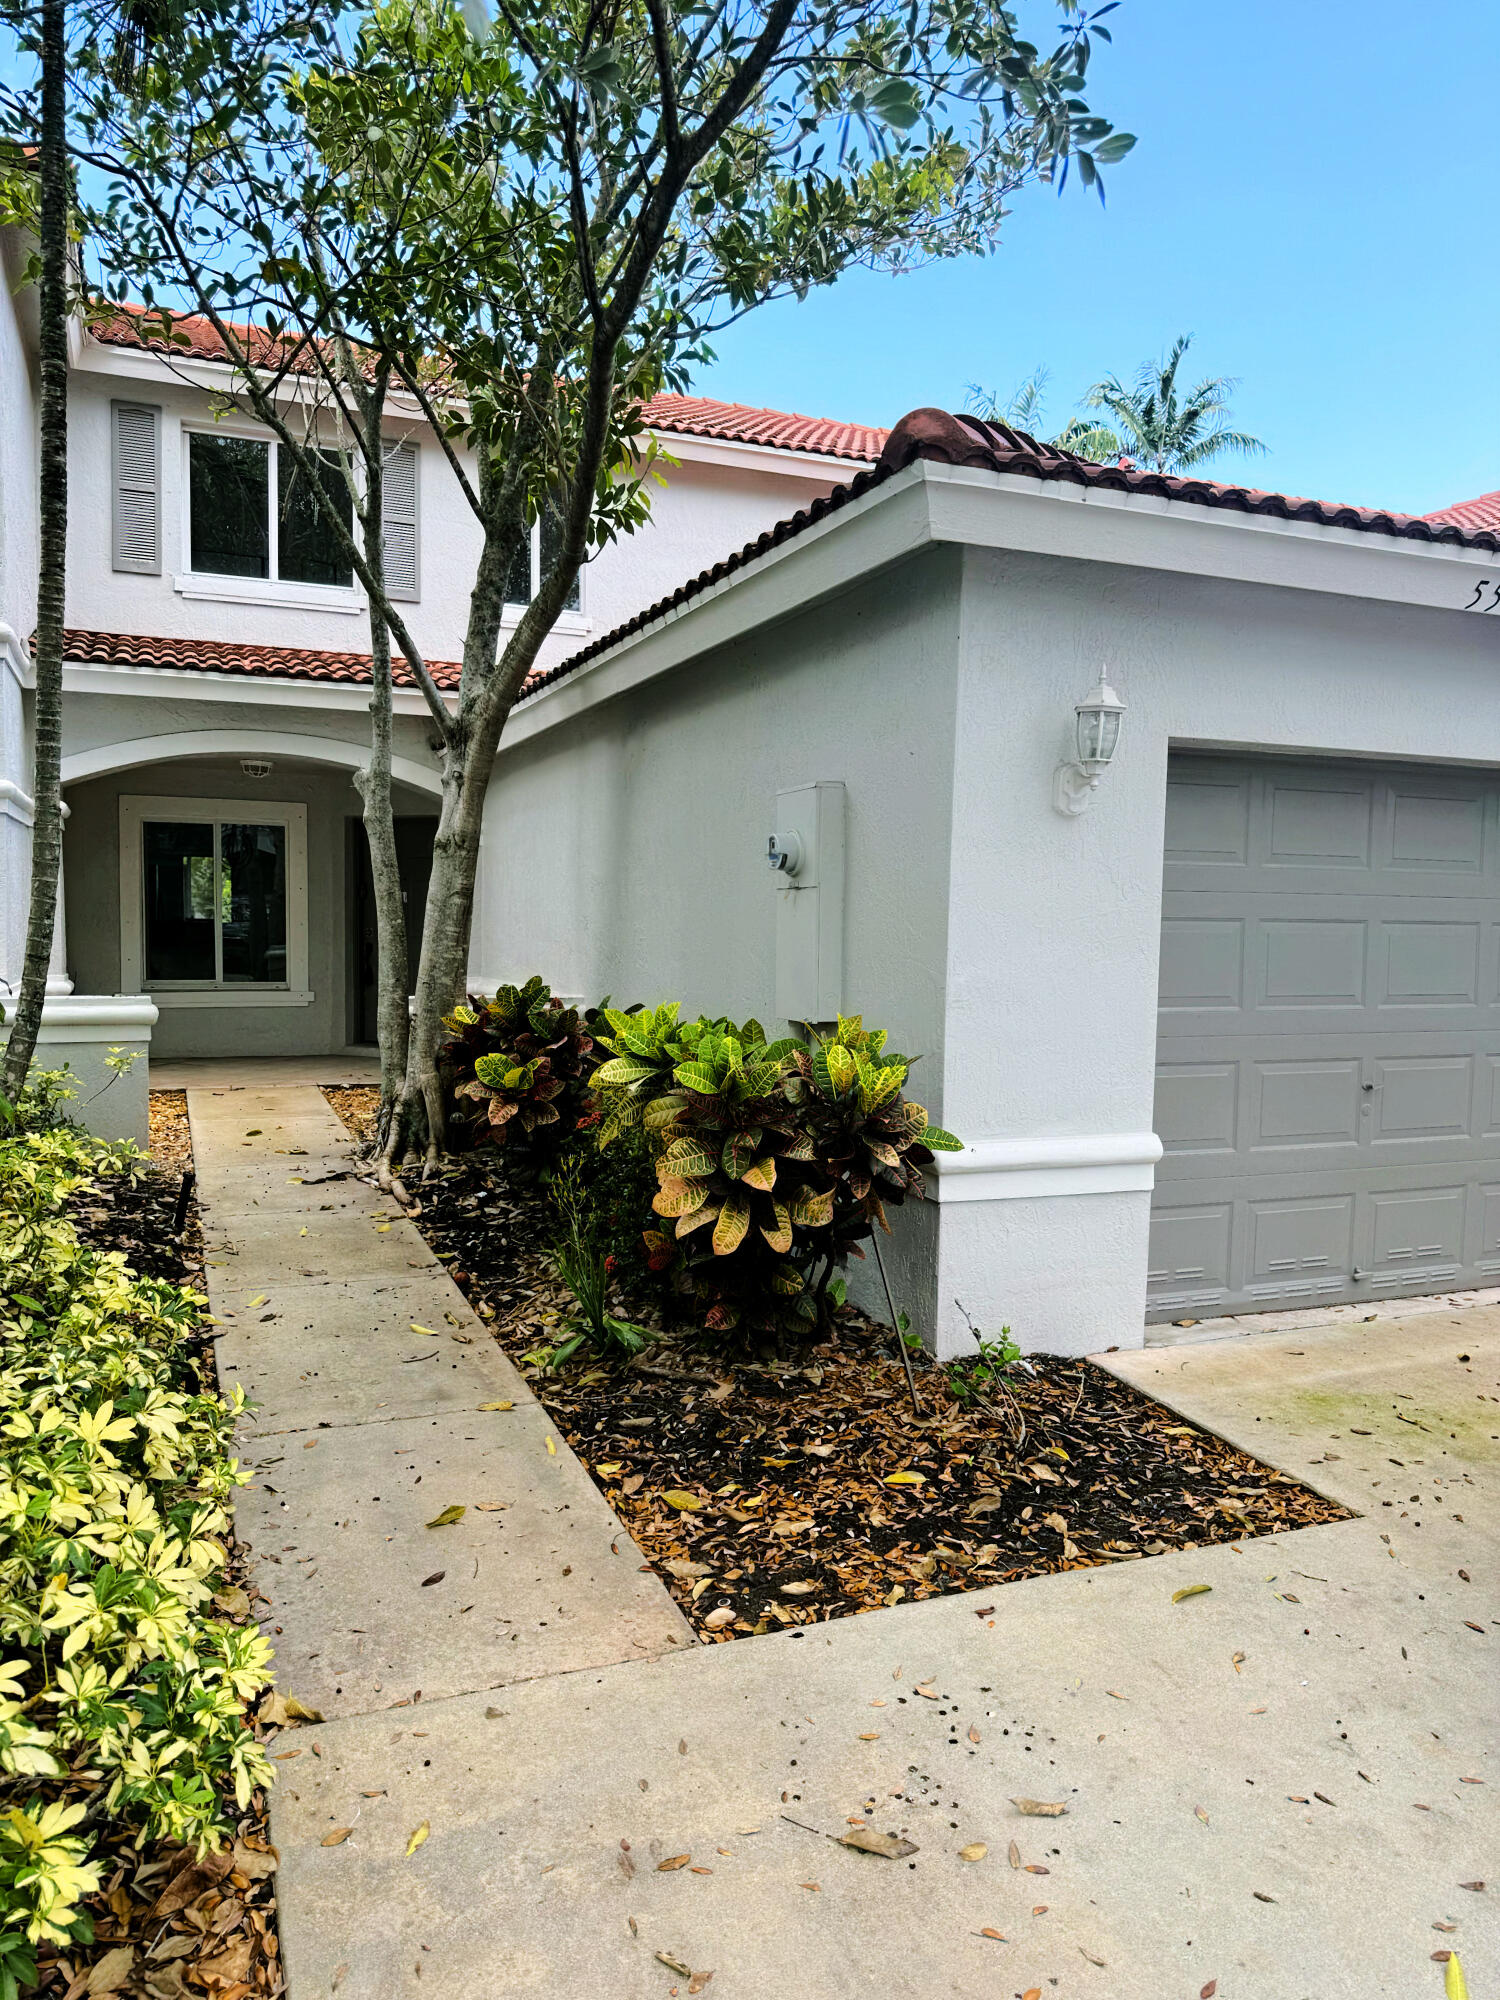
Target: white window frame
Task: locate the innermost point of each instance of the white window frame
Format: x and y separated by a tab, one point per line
209	585
134	812
571	622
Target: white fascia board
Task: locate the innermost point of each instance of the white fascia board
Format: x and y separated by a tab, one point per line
690	447
183	683
866	535
1144	531
930	503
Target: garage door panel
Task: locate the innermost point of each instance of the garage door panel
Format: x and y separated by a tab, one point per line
1437	831
1316	822
1188	1266
1417	1236
1329	1042
1197	1107
1426	962
1423	1097
1300	1104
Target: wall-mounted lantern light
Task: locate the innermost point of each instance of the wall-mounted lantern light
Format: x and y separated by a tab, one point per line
256	767
1096	732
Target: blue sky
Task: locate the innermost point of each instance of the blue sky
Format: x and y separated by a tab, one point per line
1312	198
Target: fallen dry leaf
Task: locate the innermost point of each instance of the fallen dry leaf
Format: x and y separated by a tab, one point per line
674	1862
1237	1660
803	1588
698	1981
278	1710
1207	1992
975	1851
1040	1808
111	1972
891	1845
717	1620
436	1577
1036	1868
418	1835
926	1690
1199	1813
1013	1855
230	1966
232	1601
674	1964
998	1936
904	1479
337	1837
974	1736
504	1405
1032	1993
449	1518
1191	1590
1091	1958
685	1503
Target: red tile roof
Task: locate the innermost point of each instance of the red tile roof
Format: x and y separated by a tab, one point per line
689	416
924	434
223	656
945	439
1471	514
738	423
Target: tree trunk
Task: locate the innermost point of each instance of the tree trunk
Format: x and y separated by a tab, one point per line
392	1015
46	831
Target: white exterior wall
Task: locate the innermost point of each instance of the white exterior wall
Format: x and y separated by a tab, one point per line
18	571
715	500
1055	922
625	853
628	818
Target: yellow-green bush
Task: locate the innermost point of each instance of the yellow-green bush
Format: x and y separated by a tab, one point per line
121	1692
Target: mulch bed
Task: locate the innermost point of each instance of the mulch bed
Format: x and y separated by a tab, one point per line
787	1494
168	1925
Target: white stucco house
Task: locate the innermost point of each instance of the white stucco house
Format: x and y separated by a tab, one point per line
215	880
1220	1028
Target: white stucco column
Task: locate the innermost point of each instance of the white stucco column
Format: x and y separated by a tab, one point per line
58	982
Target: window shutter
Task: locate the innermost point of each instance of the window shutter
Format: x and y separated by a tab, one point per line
399	522
136	460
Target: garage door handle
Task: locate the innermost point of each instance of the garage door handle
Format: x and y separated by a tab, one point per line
1369	1086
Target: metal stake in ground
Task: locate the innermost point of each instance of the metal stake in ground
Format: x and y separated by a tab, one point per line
911	1380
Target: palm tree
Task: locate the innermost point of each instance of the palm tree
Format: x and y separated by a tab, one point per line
1167	429
1024	413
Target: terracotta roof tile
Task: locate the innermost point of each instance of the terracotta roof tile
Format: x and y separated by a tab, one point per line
223	656
690	416
1483	512
946	439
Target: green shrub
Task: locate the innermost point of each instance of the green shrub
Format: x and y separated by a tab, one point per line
580	1258
774	1159
523	1059
116	1469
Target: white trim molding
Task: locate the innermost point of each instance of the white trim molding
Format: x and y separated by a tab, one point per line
350	756
1016	1169
15	654
15	803
134	812
201	586
95	1017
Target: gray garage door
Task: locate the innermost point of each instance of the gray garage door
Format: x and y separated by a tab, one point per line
1328	1081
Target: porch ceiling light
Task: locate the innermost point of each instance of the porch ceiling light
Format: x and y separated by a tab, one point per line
256	767
1096	727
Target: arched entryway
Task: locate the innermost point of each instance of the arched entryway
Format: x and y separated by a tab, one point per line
225	874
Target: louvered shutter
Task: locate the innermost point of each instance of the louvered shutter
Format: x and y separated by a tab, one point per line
136	463
399	522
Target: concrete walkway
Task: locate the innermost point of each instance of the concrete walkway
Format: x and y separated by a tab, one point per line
1280	1785
372	1379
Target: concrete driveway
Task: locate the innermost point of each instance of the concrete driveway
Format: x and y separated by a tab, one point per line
1283	1788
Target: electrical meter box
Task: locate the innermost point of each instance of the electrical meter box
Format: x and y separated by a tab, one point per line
807	852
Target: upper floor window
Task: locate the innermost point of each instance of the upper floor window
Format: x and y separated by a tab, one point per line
234	530
531	564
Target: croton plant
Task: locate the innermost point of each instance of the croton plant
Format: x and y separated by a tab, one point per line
523	1059
774	1158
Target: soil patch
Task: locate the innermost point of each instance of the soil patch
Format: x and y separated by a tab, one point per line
788	1494
172	1926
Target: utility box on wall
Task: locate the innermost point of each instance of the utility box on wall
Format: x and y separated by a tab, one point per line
807	852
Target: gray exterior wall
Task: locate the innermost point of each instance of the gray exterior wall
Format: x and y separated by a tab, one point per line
625	851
